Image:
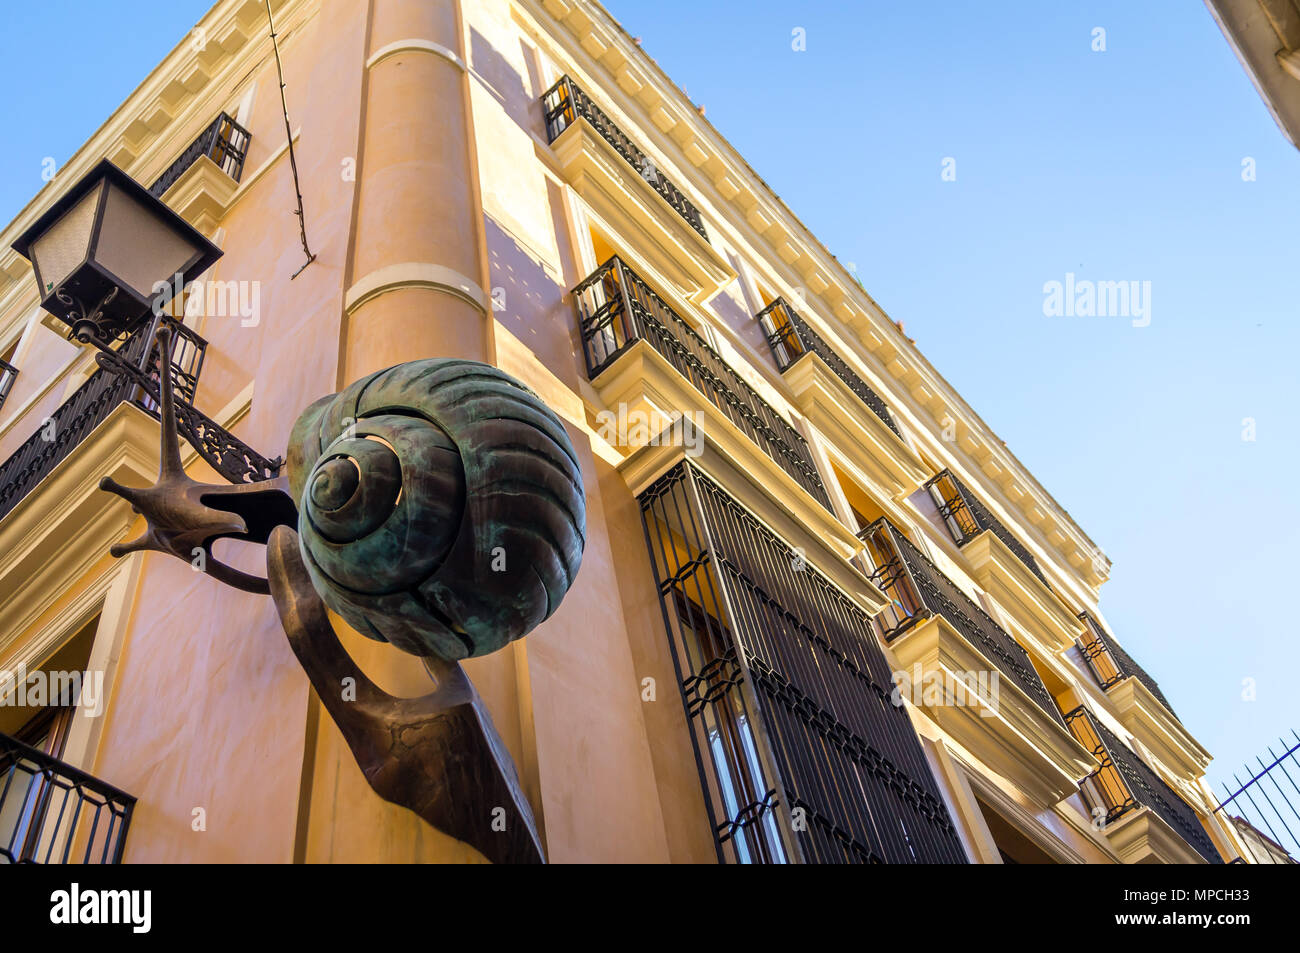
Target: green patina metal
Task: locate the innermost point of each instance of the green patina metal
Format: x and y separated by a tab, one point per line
441	506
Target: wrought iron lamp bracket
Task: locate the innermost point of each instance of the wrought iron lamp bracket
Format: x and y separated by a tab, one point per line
225	453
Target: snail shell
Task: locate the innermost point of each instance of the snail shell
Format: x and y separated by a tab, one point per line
441	506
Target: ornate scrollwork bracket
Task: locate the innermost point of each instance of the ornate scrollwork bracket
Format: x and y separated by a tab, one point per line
223	451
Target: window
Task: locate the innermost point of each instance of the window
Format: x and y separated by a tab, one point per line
727	725
1105	790
7	371
787	694
782	336
890	573
1097	654
953	509
28	795
1011	843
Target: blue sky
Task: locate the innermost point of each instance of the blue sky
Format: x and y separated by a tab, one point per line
1116	165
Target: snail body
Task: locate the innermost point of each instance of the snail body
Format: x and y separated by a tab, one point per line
441	506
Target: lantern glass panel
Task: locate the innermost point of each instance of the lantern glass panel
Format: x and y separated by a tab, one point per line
139	247
63	247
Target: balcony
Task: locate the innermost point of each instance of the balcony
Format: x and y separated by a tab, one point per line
838	401
1145	819
639	352
565	103
1110	664
87	408
624	193
224	143
94	402
1002	566
201	183
1141	706
790	339
50	812
939	633
7	374
966	517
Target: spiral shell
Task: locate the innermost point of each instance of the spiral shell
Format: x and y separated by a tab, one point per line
440	504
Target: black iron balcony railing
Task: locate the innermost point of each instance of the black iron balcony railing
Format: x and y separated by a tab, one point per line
1123	782
564	103
225	142
788	696
966	517
790	337
51	812
92	402
1095	646
918	590
1110	664
7	374
616	309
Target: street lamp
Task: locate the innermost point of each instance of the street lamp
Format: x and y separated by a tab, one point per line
108	257
107	253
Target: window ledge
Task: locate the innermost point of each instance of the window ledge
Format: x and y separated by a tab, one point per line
1015	588
1009	733
1141	837
627	203
645	383
202	195
853	426
1153	725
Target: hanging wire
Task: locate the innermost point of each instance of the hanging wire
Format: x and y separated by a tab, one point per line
293	162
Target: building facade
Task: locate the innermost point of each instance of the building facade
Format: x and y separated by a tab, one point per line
823	614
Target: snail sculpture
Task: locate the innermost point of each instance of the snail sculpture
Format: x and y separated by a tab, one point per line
441	506
437	505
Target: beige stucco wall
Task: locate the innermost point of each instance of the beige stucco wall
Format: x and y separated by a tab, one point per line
423	159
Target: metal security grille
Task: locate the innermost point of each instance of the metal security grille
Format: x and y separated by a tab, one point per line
966	517
1110	664
918	590
225	142
1268	801
789	337
52	813
1123	782
802	754
565	102
616	308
